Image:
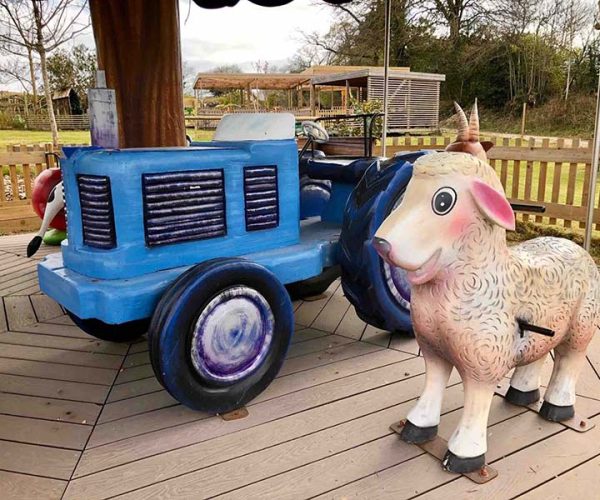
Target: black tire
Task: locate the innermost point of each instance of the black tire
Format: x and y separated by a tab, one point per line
184	361
122	332
314	286
365	277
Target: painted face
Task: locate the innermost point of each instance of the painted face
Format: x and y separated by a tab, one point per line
436	211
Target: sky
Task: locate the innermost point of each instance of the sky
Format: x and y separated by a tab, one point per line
241	35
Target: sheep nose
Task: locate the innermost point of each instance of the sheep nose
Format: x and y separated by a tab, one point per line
382	247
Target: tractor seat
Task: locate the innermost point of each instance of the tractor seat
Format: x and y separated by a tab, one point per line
339	169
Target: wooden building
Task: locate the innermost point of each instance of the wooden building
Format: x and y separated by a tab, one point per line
413	97
66	102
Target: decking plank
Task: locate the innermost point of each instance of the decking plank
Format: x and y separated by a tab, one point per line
49	408
136	406
89	345
252	439
54	329
530	467
3	323
270	461
193	431
63	356
133	389
351	325
55	371
58	389
45	308
38	460
134	373
318	477
578	483
19	312
310	309
44	432
21	486
331	315
315	345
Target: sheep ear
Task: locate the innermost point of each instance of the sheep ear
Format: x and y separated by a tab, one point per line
493	205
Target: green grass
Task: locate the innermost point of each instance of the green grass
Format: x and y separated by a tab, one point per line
9	137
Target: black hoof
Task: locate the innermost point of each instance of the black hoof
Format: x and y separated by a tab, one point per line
555	413
521	398
414	434
460	465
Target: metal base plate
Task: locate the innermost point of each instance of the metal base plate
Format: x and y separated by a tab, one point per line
577	423
437	448
235	414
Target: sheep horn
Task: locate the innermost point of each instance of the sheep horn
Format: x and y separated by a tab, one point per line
463	124
474	124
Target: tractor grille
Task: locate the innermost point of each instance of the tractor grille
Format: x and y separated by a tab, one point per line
261	198
97	215
183	206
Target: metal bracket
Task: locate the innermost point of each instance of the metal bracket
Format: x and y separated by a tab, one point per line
577	422
235	414
437	448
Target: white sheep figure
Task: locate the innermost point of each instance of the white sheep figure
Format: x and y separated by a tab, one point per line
473	297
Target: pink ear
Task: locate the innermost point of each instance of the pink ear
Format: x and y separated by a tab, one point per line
493	205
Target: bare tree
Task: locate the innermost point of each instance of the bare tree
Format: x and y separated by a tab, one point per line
41	26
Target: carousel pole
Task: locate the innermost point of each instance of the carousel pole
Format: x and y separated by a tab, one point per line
386	70
591	202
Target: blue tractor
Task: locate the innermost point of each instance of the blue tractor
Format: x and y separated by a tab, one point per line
196	246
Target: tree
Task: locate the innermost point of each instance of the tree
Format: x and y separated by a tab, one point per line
73	69
42	26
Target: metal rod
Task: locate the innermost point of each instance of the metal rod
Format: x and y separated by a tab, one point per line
587	241
386	69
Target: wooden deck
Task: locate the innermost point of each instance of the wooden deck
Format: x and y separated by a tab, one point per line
85	419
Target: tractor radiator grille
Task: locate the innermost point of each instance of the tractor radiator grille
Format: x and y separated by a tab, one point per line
97	217
183	206
261	198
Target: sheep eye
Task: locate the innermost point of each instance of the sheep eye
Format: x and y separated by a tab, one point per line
443	200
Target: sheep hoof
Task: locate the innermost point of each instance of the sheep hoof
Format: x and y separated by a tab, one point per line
414	434
522	398
554	413
462	465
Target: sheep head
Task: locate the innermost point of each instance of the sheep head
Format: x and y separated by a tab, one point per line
451	197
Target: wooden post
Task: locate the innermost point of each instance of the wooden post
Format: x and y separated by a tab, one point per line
137	43
523	119
348	96
300	100
313	107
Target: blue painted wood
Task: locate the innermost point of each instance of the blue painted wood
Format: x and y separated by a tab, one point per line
120	300
126	168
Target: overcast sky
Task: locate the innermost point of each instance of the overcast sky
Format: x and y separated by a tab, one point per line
242	34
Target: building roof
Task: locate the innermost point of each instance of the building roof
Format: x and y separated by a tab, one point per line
358	78
318	75
262	81
61	94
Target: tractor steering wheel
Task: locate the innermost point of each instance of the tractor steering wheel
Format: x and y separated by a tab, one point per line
314	131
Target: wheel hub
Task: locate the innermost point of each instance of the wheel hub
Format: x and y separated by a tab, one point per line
232	335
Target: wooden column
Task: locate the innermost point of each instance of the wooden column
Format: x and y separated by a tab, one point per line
313	107
137	42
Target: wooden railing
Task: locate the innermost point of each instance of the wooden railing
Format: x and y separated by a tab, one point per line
555	174
19	166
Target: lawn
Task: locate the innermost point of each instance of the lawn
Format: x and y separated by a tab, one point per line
9	137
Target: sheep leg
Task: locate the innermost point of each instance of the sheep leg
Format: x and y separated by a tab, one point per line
524	387
468	443
559	400
422	421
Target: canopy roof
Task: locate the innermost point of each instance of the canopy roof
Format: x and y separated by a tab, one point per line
358	78
262	81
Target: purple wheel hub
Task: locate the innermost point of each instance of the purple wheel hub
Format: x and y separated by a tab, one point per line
397	284
395	277
232	335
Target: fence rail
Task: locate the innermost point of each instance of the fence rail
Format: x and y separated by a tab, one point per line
555	174
63	122
536	171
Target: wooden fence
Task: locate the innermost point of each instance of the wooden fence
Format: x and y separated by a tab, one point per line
19	166
63	122
555	174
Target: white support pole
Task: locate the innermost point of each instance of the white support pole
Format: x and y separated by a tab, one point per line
587	241
386	69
